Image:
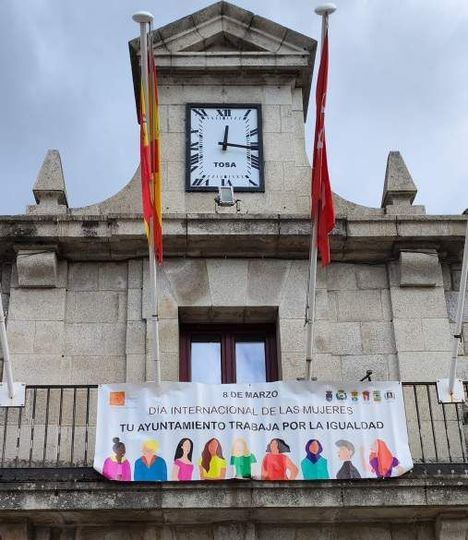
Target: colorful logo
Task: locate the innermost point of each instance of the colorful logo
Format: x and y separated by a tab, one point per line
377	395
366	395
329	395
341	395
117	399
354	395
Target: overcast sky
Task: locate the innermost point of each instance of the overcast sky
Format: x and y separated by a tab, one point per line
398	81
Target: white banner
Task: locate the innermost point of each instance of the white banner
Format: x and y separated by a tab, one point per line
294	430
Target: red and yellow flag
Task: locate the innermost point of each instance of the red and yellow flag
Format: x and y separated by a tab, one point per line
150	160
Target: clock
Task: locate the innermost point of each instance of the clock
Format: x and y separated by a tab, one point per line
224	147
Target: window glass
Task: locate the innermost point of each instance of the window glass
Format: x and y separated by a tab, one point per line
224	353
206	362
250	361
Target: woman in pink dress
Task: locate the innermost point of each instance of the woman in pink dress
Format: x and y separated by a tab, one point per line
117	467
182	469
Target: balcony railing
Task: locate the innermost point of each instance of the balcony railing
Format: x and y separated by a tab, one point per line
57	428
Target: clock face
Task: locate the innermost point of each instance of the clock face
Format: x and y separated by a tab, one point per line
224	147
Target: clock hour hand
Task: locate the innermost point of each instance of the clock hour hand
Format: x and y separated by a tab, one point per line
223	144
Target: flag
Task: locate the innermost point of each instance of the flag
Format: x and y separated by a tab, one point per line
150	160
322	198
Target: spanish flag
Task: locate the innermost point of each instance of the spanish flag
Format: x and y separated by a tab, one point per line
150	160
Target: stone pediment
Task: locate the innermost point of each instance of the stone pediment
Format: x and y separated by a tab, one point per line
225	27
224	42
224	37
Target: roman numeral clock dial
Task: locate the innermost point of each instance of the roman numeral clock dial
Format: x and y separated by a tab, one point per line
224	147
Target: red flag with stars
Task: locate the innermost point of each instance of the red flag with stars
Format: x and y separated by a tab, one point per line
323	209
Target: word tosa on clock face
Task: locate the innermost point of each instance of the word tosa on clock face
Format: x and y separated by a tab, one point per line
224	147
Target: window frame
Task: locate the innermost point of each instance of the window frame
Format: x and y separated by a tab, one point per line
228	335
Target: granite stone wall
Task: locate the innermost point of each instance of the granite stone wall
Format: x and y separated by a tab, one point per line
5	278
453	529
91	324
452	287
287	168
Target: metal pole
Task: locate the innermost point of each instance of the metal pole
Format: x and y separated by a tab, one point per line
155	316
460	311
143	18
310	307
324	11
7	371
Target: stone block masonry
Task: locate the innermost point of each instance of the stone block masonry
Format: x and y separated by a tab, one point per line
99	311
74	332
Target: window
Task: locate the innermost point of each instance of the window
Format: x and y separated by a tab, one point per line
228	353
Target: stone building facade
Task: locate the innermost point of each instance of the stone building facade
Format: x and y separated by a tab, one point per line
75	285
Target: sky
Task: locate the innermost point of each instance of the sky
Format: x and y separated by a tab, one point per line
398	81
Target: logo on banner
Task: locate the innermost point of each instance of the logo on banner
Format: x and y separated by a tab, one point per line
117	399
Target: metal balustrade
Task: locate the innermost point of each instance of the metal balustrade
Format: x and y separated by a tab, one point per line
57	427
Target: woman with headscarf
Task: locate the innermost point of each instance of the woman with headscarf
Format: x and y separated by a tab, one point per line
182	469
314	466
212	465
382	461
117	467
276	465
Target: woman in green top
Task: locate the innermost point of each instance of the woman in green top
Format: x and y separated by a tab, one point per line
242	459
314	466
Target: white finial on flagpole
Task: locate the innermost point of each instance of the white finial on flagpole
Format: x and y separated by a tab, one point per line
325	9
142	17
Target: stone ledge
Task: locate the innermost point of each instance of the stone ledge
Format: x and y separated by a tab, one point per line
83	490
122	236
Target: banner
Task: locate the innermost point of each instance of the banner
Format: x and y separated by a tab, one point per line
291	430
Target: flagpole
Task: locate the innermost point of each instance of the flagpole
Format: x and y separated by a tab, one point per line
310	306
7	370
324	11
144	19
460	311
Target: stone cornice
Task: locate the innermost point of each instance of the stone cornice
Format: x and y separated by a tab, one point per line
205	235
268	501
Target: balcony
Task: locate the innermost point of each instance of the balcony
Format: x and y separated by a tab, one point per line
46	456
56	430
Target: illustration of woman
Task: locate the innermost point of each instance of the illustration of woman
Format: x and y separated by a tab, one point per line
276	465
212	465
182	469
381	461
150	467
314	466
117	467
242	459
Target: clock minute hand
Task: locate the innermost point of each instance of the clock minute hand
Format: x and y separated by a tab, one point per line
223	144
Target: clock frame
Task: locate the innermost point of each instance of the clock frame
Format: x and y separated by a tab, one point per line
188	128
